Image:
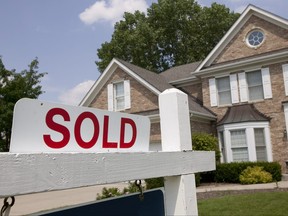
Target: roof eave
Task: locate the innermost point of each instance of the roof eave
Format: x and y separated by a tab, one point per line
276	57
247	13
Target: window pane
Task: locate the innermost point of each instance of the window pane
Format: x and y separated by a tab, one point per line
119	103
255	86
224	91
260	144
239	145
119	89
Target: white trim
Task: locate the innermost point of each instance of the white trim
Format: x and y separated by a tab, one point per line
102	80
285	77
127	98
234	89
243	87
248	12
266	81
213	92
110	97
249	130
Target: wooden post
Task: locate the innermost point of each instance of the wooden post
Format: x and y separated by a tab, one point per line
180	191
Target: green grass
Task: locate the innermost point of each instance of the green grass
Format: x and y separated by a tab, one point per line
258	204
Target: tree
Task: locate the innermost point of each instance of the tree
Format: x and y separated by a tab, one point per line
174	32
14	86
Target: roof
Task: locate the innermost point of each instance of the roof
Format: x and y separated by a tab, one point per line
242	113
152	78
180	72
153	81
247	13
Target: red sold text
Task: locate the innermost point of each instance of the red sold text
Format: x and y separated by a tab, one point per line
124	122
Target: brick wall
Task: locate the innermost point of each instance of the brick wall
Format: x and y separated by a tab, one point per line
271	107
141	98
275	38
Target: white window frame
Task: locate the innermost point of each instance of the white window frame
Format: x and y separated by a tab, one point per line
214	94
112	95
249	128
285	77
266	84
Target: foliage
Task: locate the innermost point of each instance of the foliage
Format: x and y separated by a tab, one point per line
255	175
108	193
174	32
230	172
113	192
14	86
272	203
206	142
154	183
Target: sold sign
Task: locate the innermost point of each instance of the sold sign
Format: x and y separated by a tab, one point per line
48	127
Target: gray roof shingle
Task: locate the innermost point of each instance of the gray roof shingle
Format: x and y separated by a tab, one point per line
180	72
159	82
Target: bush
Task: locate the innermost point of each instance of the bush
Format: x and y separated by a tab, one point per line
206	142
154	183
255	175
230	172
108	192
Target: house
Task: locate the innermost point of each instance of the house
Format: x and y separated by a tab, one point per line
239	92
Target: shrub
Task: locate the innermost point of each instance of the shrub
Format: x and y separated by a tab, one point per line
230	172
255	175
108	192
154	183
206	142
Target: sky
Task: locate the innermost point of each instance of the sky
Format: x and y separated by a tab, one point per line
65	34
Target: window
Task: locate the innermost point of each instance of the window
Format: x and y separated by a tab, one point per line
224	90
247	141
239	146
119	95
255	38
255	86
260	144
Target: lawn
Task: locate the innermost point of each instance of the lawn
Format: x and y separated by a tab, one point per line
258	204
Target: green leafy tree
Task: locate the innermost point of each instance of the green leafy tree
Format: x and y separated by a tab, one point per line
174	32
14	86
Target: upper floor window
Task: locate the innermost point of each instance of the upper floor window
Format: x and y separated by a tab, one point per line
255	85
119	96
224	90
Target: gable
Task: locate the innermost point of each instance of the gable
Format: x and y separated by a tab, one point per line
246	22
141	97
275	38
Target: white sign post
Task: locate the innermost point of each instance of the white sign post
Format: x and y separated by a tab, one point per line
24	172
176	136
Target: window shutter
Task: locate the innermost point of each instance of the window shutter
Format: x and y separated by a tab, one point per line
285	77
266	83
213	93
234	88
110	97
243	87
127	99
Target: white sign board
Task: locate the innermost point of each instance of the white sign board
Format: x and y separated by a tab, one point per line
47	127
